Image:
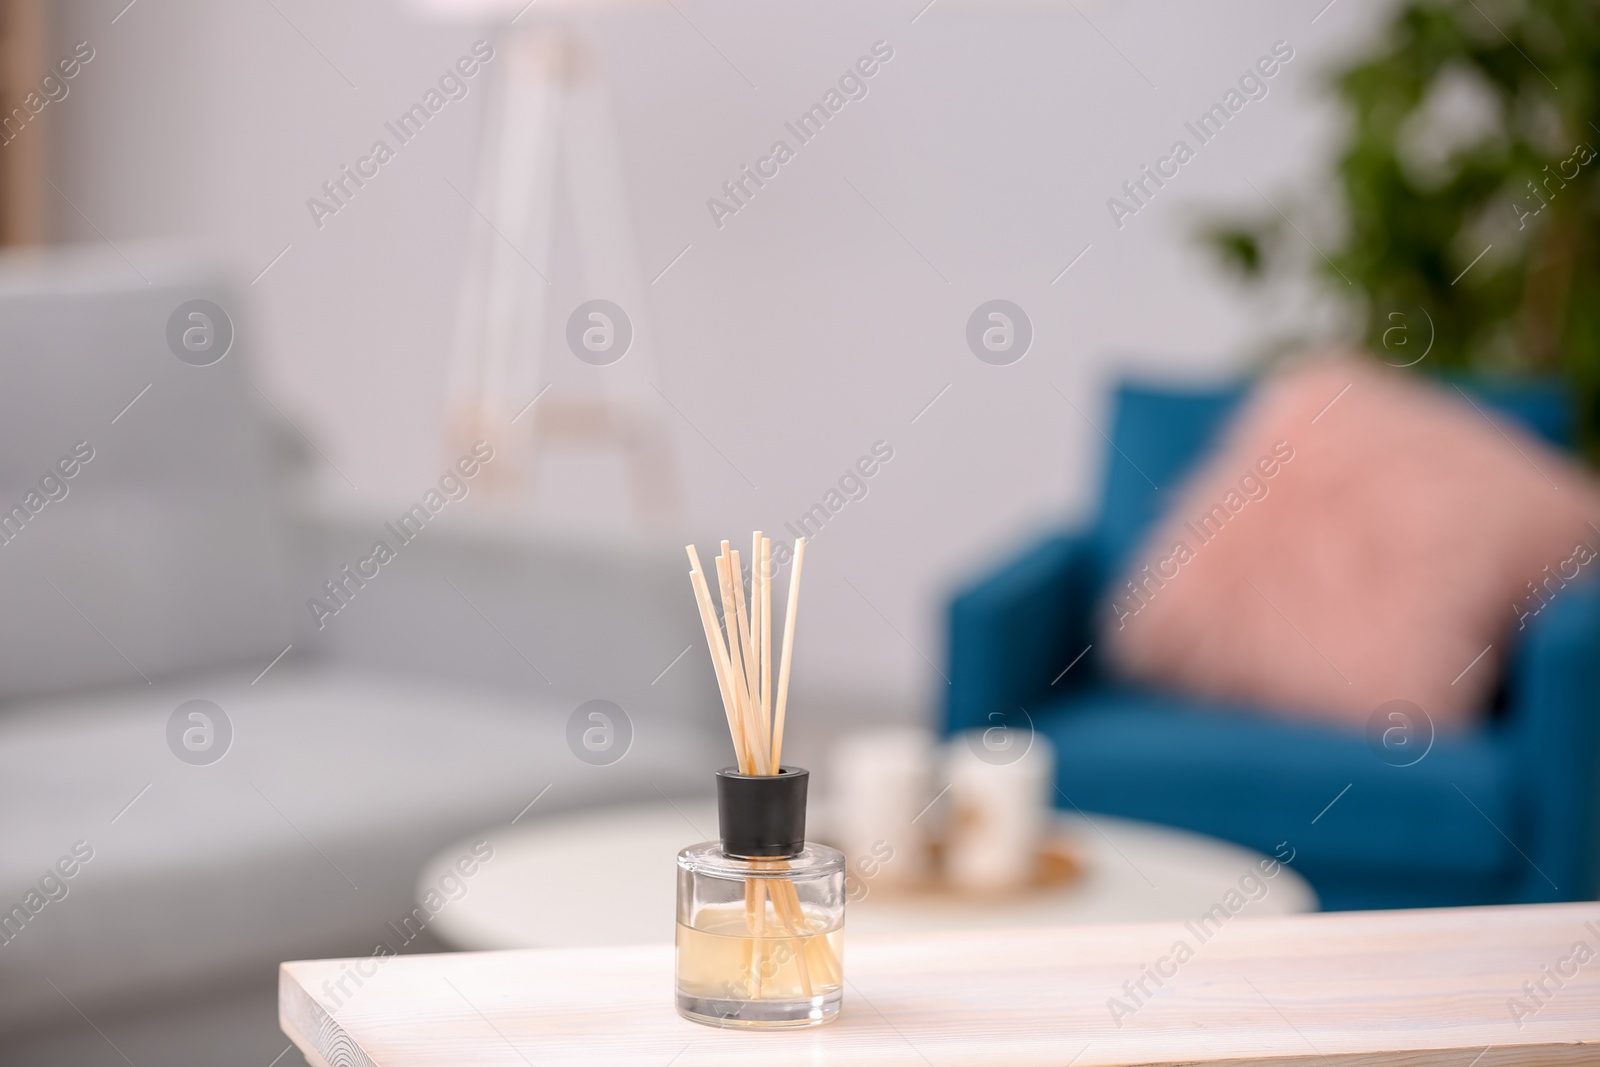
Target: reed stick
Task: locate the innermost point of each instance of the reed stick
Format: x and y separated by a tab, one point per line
741	727
788	650
743	736
719	653
758	636
786	903
761	931
766	640
759	728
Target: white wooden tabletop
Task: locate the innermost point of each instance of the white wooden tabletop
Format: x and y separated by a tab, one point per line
1436	988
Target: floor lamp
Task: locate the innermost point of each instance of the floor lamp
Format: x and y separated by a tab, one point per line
550	145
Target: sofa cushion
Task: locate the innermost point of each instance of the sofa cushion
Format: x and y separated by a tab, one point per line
1160	431
170	539
1358	537
1219	770
305	839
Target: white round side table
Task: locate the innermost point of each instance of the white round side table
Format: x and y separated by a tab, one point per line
608	877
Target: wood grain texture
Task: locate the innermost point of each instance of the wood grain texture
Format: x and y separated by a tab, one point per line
1412	988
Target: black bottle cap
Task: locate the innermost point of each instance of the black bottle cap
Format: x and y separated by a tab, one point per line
762	814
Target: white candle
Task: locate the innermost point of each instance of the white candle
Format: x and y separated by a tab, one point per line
882	788
1000	810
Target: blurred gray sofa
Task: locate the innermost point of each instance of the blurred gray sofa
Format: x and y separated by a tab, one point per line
175	565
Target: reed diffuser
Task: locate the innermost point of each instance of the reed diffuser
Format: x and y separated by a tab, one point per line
760	939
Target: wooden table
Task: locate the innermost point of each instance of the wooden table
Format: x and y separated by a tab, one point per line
1414	988
1132	872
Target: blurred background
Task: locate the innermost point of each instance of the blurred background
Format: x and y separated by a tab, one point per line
554	329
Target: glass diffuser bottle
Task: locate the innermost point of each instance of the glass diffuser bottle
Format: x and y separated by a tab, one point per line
760	940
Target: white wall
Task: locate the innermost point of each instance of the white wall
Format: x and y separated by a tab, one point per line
806	328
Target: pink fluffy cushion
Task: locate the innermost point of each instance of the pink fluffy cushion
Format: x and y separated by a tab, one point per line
1359	536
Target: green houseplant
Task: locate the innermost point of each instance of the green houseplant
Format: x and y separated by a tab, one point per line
1466	181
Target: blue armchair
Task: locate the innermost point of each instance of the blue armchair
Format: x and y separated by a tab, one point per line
1505	814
